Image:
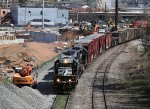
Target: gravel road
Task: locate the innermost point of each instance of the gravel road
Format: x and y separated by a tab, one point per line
13	97
45	82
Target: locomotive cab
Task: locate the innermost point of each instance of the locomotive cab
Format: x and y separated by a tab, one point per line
79	53
66	73
82	54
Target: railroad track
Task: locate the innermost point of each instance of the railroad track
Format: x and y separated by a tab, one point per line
100	79
61	101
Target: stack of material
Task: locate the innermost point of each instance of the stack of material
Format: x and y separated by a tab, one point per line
7	37
13	97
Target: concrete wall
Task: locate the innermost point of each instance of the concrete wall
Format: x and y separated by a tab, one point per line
14	14
43	37
23	15
11	41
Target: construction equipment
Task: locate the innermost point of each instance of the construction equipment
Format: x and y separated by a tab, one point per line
111	24
86	28
23	76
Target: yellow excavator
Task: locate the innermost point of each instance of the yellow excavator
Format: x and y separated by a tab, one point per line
111	24
23	76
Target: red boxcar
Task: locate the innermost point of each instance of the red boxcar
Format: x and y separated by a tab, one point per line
108	40
102	43
95	37
140	23
93	44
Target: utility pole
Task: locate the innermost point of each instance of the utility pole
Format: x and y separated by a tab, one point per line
116	15
77	15
43	15
105	12
105	7
0	16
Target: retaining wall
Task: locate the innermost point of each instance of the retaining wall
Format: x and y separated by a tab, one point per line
43	37
11	41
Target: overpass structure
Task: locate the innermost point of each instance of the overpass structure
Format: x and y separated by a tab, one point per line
80	15
135	3
112	13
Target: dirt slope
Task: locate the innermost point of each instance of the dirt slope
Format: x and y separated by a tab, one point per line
16	53
21	54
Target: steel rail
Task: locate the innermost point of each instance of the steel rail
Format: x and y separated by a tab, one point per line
106	64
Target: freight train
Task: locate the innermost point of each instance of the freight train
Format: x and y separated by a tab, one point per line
72	62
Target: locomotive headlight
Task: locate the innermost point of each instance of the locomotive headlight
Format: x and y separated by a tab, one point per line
65	61
58	80
70	80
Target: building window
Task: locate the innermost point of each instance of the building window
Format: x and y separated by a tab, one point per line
41	12
29	13
3	12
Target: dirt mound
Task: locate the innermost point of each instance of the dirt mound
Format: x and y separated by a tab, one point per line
33	52
3	58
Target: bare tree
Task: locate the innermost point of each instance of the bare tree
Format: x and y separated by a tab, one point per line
135	3
22	2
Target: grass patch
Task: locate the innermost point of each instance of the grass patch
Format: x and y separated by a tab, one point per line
6	80
138	85
60	102
136	82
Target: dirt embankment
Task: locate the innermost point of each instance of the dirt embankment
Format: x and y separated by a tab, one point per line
129	79
33	52
137	79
